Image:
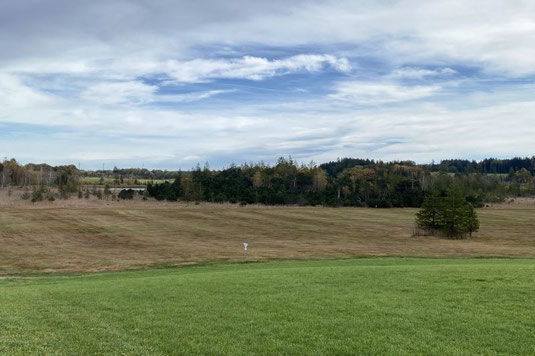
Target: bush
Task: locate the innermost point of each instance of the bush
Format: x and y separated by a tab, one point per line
26	195
127	194
37	195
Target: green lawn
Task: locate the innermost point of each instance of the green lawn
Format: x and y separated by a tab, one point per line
366	306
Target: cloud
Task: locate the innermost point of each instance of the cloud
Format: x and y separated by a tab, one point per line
418	131
496	35
129	71
420	73
249	67
129	92
371	93
190	97
15	95
137	93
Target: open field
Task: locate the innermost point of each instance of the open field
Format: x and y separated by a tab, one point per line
80	235
366	306
327	306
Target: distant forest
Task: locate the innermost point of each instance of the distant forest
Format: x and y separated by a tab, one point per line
352	182
344	182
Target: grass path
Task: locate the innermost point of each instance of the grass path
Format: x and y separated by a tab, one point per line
368	306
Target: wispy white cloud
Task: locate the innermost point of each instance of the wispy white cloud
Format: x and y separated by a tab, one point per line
137	93
189	71
14	95
128	92
249	67
419	73
190	97
372	93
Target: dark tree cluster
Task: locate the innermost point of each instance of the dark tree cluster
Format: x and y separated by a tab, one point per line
448	214
166	190
348	182
127	194
486	166
290	183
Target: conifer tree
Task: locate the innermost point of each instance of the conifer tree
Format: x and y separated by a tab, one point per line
470	220
429	217
453	207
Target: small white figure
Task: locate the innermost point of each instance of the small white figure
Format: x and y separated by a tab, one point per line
245	244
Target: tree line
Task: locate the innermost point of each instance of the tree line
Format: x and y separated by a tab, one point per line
486	166
346	182
14	174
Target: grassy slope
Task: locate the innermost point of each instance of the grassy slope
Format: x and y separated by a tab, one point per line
374	306
118	235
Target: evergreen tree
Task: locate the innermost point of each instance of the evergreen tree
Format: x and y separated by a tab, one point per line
429	217
453	207
470	220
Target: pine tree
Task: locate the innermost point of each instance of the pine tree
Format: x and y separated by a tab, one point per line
470	220
453	208
429	217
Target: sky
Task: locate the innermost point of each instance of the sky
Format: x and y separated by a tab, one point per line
169	84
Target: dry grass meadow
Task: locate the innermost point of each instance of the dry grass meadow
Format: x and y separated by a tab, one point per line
79	235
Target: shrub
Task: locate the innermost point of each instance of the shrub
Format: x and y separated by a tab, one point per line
37	195
127	194
26	195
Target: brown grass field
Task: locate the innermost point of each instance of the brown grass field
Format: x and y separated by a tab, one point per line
79	235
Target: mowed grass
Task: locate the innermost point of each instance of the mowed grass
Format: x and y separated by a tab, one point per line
65	237
365	306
